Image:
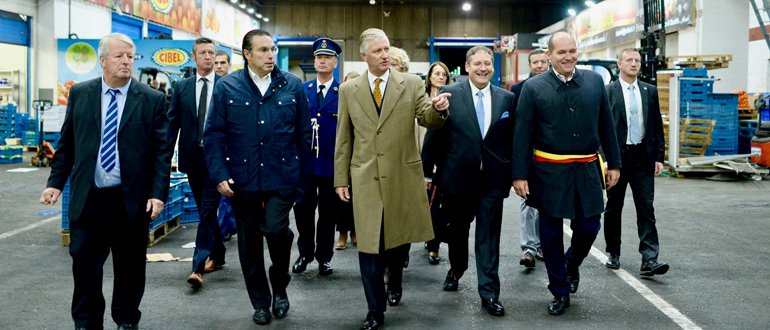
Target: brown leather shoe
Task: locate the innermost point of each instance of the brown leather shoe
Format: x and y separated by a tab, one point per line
528	260
212	265
195	279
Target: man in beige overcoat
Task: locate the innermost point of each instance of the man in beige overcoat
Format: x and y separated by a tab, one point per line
377	156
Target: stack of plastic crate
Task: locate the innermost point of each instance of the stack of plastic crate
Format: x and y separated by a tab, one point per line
11	154
7	121
65	206
746	129
693	101
18	126
190	207
723	108
52	138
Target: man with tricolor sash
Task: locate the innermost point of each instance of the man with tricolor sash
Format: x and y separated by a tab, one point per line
564	115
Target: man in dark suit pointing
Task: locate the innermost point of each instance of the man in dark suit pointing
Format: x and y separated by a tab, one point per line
114	148
187	112
639	127
475	147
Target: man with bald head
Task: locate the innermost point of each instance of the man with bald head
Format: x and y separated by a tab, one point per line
564	114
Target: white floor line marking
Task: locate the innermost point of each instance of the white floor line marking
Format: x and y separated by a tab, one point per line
23	229
662	305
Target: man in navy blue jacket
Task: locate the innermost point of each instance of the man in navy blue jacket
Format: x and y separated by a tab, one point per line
257	144
316	187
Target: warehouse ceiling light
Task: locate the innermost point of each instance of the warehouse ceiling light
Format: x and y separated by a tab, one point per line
372	2
590	4
243	6
571	12
233	1
266	19
250	10
259	15
466	6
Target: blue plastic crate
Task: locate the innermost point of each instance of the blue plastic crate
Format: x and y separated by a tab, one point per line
699	73
159	220
721	133
723	99
175	192
51	136
11	159
65	206
189	202
11	150
764	115
190	215
186	188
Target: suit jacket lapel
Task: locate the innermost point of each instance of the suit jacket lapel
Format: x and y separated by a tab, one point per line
312	94
393	91
470	109
364	96
189	96
132	102
331	95
497	107
643	92
95	98
621	97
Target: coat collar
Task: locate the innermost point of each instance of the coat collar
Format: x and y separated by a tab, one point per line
556	82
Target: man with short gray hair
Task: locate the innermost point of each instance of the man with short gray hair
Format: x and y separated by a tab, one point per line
114	150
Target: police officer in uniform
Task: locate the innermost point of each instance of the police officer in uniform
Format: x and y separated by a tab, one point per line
316	188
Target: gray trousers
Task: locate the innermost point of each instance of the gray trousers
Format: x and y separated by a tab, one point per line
530	229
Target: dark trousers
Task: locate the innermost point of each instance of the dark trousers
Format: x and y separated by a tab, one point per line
460	212
258	214
584	232
104	226
208	241
372	270
315	242
437	218
345	221
642	184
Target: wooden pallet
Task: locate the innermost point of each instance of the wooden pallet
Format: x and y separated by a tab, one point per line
699	61
65	237
31	148
747	114
159	232
694	136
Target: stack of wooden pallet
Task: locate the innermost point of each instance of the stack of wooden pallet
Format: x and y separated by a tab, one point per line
694	136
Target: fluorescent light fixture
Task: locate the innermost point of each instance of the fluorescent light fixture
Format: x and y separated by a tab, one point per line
590	4
571	12
233	1
466	6
243	6
259	15
372	2
266	19
250	10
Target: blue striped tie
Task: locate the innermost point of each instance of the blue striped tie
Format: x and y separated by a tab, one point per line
110	137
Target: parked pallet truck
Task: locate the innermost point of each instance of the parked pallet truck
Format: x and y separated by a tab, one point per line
44	150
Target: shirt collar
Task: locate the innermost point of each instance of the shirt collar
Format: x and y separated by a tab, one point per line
475	90
210	77
625	85
328	84
561	77
384	78
123	89
256	78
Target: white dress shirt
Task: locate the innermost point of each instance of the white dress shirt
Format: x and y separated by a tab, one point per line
637	97
209	91
562	77
327	85
102	178
383	83
262	83
487	92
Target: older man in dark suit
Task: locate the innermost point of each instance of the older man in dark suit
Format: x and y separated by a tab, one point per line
474	146
639	127
565	116
187	112
114	148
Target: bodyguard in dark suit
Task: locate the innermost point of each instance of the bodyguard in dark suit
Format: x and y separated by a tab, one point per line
187	112
636	112
256	145
114	148
475	147
530	234
565	116
316	188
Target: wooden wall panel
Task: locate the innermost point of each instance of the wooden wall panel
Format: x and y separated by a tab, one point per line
299	20
491	21
335	22
440	21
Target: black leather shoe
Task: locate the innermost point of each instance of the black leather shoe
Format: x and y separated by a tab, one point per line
394	298
433	260
128	327
280	306
613	262
374	321
227	237
558	305
493	306
300	265
528	260
451	281
325	269
653	267
573	277
262	316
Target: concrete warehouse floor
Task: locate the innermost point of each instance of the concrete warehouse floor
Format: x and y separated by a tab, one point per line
713	234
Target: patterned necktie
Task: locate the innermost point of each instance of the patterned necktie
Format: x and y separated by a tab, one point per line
321	95
202	109
480	112
377	94
110	137
634	130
